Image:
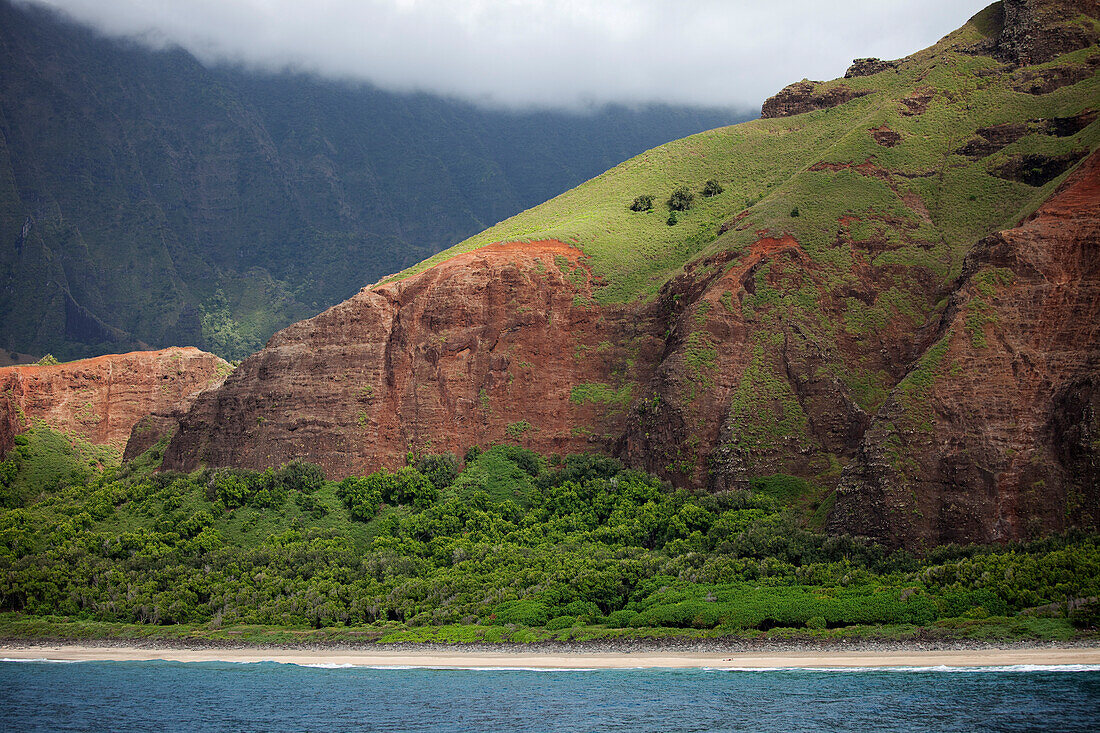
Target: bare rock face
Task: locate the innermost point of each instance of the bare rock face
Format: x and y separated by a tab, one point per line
807	96
502	343
101	399
993	434
1035	169
991	139
1036	31
868	67
1046	79
737	390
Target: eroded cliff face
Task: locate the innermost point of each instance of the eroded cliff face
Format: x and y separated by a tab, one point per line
816	342
745	385
503	343
101	399
995	433
1036	31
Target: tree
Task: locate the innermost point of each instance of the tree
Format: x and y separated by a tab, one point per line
712	188
681	199
642	203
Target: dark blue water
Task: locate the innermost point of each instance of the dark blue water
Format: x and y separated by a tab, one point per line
169	696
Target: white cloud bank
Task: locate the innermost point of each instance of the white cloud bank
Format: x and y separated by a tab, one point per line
545	53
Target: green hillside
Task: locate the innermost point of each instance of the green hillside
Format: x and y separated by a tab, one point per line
147	200
514	547
766	169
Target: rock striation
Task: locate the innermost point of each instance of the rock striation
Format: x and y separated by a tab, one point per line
101	399
995	432
503	343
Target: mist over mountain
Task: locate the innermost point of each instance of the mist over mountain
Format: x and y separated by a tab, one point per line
148	199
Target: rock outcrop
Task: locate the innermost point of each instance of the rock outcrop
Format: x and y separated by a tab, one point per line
868	67
995	433
1036	31
807	96
102	398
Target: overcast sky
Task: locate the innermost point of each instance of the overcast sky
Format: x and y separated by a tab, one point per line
551	53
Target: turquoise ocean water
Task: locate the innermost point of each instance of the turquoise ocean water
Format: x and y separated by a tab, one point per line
171	696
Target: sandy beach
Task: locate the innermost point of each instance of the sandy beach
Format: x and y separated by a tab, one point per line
518	659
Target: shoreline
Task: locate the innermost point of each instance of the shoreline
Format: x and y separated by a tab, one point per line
796	656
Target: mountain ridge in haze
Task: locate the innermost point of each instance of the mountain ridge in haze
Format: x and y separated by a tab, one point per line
147	200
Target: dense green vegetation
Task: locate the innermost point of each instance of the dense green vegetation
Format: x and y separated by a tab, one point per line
146	198
513	547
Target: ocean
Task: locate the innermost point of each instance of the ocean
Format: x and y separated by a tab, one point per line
172	696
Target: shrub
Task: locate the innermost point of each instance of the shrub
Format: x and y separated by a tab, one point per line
794	212
301	476
527	460
671	221
440	469
517	430
560	622
1086	615
815	622
642	203
681	199
310	504
712	188
235	488
583	610
48	360
362	495
522	613
408	486
623	619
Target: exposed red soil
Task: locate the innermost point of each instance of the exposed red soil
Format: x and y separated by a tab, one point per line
884	136
917	102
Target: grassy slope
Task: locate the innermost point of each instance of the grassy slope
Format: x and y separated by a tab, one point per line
43	459
763	166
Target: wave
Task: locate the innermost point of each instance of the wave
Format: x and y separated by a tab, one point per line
44	660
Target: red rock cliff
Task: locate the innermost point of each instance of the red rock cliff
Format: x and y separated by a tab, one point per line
500	343
995	433
102	398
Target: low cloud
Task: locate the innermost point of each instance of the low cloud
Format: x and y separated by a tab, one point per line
542	53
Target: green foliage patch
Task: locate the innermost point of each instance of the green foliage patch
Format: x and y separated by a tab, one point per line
512	549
